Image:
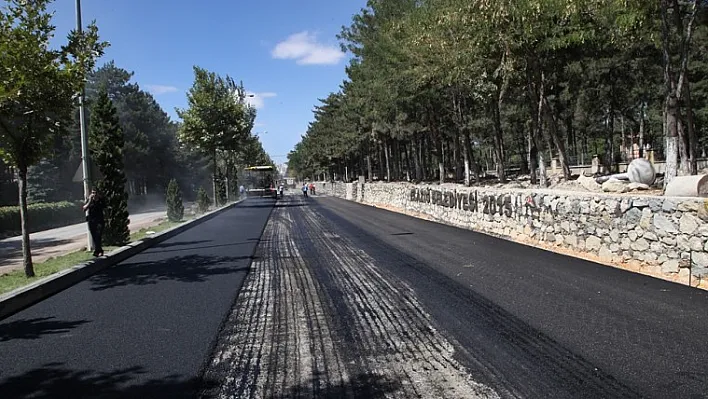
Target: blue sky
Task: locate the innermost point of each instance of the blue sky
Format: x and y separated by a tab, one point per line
284	51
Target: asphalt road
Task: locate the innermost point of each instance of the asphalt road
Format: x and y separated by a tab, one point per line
141	329
345	300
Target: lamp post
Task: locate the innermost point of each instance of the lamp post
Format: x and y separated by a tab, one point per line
85	162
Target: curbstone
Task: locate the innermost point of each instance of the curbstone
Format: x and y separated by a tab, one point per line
24	297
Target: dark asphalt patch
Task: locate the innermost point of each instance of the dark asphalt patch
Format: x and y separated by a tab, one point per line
143	328
537	323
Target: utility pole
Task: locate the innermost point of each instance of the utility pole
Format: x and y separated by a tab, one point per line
84	139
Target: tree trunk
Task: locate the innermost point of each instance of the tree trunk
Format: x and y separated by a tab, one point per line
498	141
671	139
532	155
555	137
213	181
641	131
26	251
369	169
683	146
441	165
388	162
691	129
466	153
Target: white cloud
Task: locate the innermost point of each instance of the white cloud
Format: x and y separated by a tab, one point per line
160	89
258	99
303	48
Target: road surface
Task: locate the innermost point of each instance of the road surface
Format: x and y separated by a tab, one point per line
54	242
344	300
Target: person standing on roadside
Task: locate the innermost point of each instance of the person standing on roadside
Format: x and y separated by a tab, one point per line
304	189
94	208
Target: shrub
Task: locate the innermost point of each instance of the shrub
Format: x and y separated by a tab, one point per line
203	200
42	216
175	207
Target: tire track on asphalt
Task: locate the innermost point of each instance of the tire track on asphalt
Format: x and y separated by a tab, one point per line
425	355
319	318
533	350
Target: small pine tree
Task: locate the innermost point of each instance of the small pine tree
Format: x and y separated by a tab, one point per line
175	207
221	189
107	150
203	200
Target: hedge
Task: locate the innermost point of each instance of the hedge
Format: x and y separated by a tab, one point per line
40	217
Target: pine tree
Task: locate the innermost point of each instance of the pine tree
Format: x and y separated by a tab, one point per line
203	200
107	151
220	189
175	207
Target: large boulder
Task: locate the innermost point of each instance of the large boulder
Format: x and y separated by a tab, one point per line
615	186
641	171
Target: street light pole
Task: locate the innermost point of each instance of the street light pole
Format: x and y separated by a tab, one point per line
84	139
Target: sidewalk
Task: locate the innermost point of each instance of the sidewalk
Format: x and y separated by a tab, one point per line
62	240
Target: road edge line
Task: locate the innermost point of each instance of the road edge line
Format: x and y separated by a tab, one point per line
31	294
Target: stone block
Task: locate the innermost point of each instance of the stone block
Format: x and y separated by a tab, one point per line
592	243
688	223
650	236
640	245
663	224
614	235
605	253
572	240
695	243
700	259
670	266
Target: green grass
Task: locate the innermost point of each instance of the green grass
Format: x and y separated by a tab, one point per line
17	279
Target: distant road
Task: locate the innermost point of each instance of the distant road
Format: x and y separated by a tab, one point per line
48	243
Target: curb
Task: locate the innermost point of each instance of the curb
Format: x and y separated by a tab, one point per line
24	297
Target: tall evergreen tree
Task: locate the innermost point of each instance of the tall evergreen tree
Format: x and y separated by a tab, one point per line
175	207
107	151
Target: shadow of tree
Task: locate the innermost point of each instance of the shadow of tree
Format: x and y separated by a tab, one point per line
54	381
10	251
190	248
179	243
188	269
36	328
364	385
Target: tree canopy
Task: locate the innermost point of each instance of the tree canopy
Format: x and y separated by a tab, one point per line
451	89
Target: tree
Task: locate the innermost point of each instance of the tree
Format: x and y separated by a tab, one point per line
37	89
217	118
175	207
203	200
107	143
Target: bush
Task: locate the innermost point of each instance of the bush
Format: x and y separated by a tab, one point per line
40	217
175	207
203	200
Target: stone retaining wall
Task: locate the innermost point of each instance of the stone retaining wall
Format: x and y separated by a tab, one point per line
663	237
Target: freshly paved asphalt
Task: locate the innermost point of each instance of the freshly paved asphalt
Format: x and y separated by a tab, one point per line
141	329
536	324
525	322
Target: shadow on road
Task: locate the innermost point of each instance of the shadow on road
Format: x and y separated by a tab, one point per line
187	269
179	243
36	328
186	247
55	381
364	385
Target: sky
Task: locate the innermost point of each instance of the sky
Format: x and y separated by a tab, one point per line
285	52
